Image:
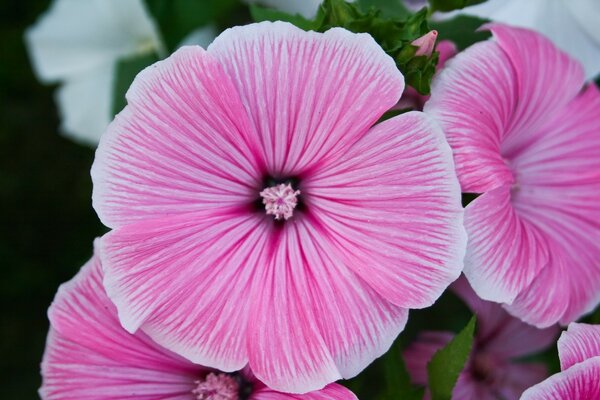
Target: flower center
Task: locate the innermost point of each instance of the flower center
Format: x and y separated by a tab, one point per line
217	387
280	200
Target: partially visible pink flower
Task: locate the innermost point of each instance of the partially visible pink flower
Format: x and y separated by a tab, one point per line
90	356
215	260
411	99
579	351
492	372
527	138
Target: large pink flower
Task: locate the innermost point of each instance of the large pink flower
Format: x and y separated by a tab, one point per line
579	351
493	371
527	139
90	356
259	219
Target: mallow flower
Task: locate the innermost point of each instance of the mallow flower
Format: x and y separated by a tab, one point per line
579	351
260	218
77	44
526	139
90	356
494	370
571	24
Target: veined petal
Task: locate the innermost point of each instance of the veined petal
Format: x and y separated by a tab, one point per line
75	37
329	392
391	209
578	343
309	95
90	356
179	146
85	105
578	382
505	252
186	281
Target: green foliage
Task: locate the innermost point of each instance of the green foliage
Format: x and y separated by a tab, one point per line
177	18
449	5
462	30
448	362
397	380
393	28
125	72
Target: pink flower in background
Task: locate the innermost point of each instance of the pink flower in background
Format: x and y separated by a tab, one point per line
90	356
579	351
315	286
411	99
527	139
491	372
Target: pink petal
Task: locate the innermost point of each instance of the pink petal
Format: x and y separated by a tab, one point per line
309	95
578	343
329	392
421	351
578	382
391	207
516	378
89	356
472	99
181	145
500	333
315	321
186	281
505	251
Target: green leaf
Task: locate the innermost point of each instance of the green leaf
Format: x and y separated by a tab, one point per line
125	72
397	380
448	362
260	14
178	18
461	30
449	5
388	8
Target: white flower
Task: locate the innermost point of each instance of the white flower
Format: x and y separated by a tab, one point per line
573	25
78	43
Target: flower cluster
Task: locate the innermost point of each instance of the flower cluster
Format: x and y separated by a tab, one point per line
269	233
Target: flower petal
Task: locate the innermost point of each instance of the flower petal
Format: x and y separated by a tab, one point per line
309	95
179	146
578	343
578	382
505	252
90	356
391	209
186	281
329	392
85	105
421	351
75	37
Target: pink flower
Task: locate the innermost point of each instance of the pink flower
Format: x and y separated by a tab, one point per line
527	139
90	356
579	351
307	293
491	372
411	98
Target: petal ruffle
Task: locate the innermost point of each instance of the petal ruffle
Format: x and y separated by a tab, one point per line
181	145
391	208
578	343
505	252
309	95
335	324
578	382
186	281
90	356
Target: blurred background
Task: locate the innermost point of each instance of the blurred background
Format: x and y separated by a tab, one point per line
48	223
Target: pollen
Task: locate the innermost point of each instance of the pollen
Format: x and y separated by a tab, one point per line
280	200
217	387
